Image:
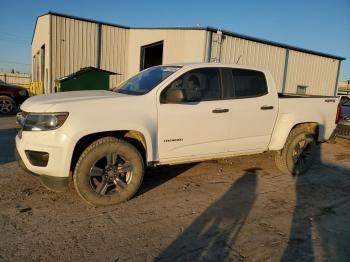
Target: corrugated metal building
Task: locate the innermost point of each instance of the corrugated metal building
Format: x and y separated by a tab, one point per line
63	44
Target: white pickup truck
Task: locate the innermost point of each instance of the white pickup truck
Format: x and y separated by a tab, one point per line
169	114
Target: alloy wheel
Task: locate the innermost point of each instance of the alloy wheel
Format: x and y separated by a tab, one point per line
110	174
5	106
302	155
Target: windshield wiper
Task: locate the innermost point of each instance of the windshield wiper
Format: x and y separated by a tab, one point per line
128	92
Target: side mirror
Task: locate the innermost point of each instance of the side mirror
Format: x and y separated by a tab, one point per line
174	96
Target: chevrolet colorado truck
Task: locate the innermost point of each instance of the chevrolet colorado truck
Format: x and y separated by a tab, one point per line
169	114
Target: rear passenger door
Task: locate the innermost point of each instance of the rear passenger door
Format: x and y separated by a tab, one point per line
253	109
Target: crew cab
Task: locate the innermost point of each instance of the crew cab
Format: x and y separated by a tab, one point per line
167	114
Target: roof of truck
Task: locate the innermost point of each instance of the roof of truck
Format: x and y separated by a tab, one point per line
190	64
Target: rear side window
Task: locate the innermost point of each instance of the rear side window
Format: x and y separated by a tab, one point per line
246	83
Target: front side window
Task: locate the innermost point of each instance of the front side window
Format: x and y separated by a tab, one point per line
146	80
245	83
196	85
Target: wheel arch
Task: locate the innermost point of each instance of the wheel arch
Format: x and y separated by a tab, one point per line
136	138
279	141
11	97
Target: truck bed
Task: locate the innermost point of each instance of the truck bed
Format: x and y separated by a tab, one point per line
296	109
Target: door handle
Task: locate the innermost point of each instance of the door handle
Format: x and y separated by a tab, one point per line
220	110
266	107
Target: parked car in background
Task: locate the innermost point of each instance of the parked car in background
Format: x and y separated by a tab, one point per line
11	97
343	128
344	99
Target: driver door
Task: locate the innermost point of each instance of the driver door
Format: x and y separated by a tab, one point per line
197	125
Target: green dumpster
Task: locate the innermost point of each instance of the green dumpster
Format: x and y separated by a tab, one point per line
87	78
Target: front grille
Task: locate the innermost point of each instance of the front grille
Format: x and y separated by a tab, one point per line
343	131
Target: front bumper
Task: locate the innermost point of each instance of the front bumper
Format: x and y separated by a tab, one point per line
57	184
58	146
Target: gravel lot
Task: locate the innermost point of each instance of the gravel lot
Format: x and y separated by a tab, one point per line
237	209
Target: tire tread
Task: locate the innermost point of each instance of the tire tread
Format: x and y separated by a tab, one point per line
91	147
281	156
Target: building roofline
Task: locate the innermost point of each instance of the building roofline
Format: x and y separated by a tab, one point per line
86	19
207	28
263	41
75	18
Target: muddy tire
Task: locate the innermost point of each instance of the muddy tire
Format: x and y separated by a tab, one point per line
108	172
7	105
299	152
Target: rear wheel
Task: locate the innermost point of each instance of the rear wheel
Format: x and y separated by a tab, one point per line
7	105
109	171
299	152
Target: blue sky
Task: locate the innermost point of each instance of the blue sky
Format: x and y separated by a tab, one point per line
322	25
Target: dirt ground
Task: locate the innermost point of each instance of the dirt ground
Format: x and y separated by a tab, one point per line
237	209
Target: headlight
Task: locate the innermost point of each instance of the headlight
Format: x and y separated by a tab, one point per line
22	92
41	122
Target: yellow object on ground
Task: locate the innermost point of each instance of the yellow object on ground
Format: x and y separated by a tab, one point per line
35	88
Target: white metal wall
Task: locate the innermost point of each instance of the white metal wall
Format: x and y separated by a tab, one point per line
36	67
41	61
245	52
73	45
316	72
179	46
114	52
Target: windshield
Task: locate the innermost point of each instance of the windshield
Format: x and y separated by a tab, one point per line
146	80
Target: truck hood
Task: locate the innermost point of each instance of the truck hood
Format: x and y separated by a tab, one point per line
63	101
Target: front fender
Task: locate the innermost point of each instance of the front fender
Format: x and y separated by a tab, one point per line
147	134
138	114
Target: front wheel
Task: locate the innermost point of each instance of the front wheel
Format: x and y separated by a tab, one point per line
299	152
108	172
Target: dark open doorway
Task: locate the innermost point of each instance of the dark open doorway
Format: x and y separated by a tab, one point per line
151	55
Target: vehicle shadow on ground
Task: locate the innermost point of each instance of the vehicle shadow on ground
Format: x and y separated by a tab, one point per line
155	176
212	235
321	213
319	225
7	145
